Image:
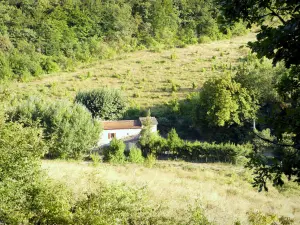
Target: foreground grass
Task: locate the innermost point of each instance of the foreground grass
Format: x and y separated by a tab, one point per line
224	191
145	77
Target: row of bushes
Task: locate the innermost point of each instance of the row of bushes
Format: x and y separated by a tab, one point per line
116	153
212	152
193	151
174	147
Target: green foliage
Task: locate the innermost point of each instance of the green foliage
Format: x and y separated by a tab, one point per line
198	217
112	204
106	104
44	37
26	196
259	218
224	102
115	151
96	159
150	160
204	39
135	155
151	142
261	78
277	41
211	152
174	143
69	129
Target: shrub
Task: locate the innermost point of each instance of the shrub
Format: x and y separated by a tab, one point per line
174	142
151	143
26	196
115	204
204	39
49	66
135	155
259	218
5	69
115	151
106	104
96	159
69	129
211	152
150	160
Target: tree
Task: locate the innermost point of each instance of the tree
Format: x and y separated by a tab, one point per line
275	42
69	129
26	195
224	102
105	104
278	41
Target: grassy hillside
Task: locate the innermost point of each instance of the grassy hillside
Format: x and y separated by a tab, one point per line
223	191
145	77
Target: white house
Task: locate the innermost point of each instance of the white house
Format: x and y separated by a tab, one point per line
126	130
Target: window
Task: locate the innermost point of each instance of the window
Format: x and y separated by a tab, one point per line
111	135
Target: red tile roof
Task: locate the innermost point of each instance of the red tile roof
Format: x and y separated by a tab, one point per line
121	124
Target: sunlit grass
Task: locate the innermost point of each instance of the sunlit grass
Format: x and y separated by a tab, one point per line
224	191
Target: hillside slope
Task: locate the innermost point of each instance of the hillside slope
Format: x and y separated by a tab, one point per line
145	77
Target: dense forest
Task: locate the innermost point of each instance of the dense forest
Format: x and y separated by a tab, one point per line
38	37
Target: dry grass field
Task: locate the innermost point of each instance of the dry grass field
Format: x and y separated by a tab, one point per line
145	77
223	191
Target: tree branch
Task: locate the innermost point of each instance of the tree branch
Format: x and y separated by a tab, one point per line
273	142
276	14
295	146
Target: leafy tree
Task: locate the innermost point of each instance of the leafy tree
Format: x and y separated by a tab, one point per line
70	130
279	42
275	42
26	195
105	104
224	102
259	76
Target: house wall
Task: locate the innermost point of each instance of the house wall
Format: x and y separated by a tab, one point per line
154	128
104	140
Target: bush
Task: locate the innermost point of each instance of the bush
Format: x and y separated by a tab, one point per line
195	151
69	129
150	160
115	151
49	66
26	196
259	218
204	39
114	204
211	152
135	155
174	143
96	159
105	104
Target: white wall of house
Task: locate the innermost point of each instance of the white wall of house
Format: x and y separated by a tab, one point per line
154	128
120	134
